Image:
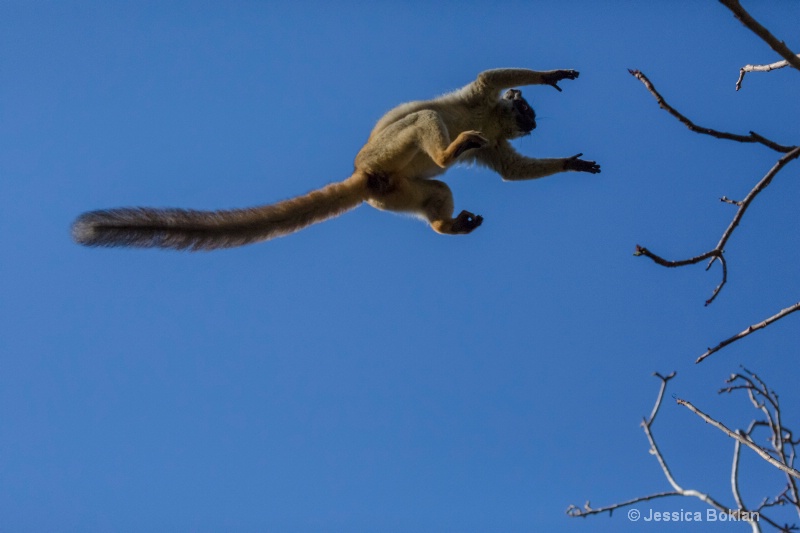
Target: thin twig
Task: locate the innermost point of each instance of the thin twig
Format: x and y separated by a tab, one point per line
641	250
716	254
713	254
760	186
790	153
758	68
707	498
752	137
764	454
729	201
760	395
754	26
587	510
657	406
755	327
737	446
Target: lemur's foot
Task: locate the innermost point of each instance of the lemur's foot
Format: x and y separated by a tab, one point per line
465	222
469	140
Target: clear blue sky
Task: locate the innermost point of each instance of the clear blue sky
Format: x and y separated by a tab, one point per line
368	374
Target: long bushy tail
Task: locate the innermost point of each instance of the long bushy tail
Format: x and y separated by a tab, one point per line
146	227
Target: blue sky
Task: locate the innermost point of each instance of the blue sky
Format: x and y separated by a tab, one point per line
367	374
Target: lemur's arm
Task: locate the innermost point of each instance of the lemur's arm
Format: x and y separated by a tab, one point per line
513	166
495	80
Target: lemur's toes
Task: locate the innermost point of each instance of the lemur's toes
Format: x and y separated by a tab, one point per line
478	139
465	222
470	140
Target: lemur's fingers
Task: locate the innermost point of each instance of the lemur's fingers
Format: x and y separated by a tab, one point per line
558	75
580	165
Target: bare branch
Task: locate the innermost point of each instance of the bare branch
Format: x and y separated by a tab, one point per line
713	254
764	454
752	137
759	68
727	200
754	26
755	327
657	406
641	250
587	510
763	398
760	186
716	253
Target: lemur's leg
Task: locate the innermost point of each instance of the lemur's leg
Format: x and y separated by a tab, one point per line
436	205
392	149
431	200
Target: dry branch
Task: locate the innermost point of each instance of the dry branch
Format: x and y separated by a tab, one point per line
753	25
783	444
763	399
759	68
716	253
647	423
751	137
760	186
764	454
755	327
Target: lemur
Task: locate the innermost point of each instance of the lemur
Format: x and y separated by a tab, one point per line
394	171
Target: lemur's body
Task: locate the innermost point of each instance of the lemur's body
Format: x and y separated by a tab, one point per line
409	146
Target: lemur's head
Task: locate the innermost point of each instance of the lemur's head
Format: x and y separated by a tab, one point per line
523	114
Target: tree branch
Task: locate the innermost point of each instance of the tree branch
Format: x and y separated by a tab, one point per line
763	398
753	25
764	454
755	327
759	68
760	186
715	254
660	397
587	510
752	137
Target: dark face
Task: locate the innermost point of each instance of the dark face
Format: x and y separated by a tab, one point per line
523	113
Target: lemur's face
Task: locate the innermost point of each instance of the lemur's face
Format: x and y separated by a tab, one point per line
523	113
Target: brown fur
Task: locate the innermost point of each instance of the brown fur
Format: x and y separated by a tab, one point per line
410	145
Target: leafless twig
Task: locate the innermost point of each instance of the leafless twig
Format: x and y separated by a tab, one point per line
754	26
760	186
647	423
716	254
727	200
783	444
744	439
752	137
759	68
755	327
782	456
588	510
